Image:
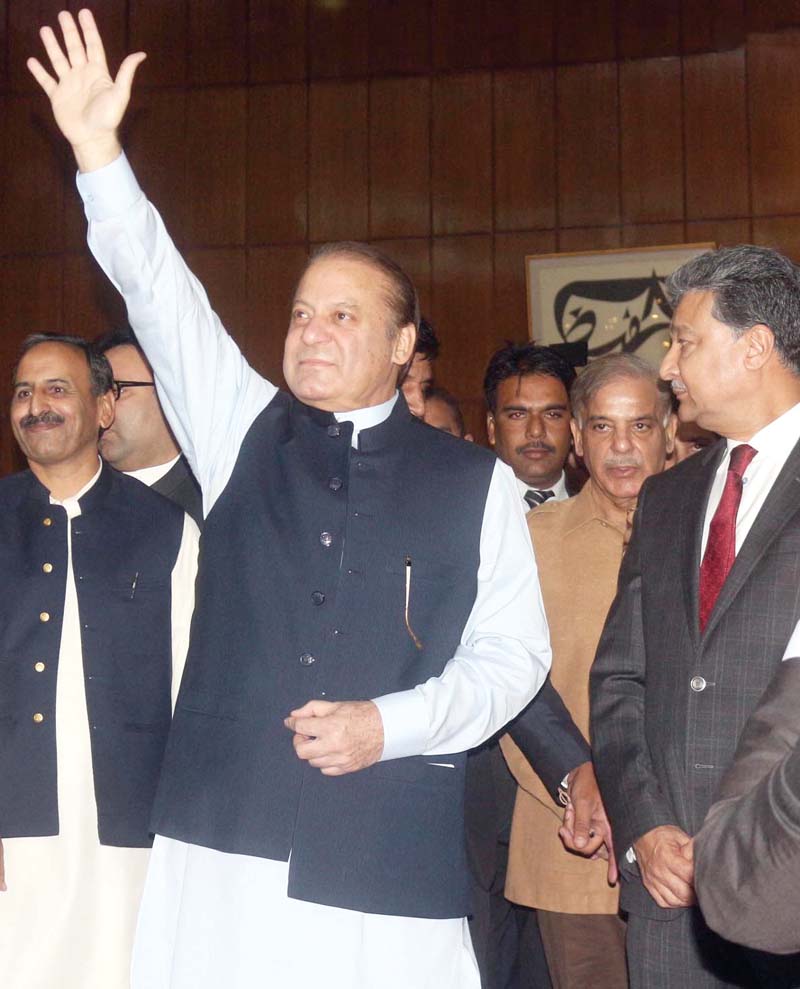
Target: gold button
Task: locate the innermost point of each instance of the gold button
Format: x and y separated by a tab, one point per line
44	616
47	567
47	521
39	667
38	718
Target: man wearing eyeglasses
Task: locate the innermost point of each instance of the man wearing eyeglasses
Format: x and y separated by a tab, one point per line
139	441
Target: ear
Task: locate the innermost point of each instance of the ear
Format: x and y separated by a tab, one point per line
577	439
468	437
490	428
105	409
404	343
760	346
670	431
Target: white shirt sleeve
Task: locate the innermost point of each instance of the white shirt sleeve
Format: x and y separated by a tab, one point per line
504	654
209	392
182	586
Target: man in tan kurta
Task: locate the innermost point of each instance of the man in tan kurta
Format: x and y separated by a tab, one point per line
623	428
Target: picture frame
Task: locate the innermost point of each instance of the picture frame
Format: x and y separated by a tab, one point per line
614	300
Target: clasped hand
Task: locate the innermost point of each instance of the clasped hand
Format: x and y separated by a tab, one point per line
585	828
337	738
666	862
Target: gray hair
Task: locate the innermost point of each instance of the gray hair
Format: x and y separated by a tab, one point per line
750	285
603	370
101	377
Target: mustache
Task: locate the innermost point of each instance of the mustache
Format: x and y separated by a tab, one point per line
536	445
677	385
621	462
44	418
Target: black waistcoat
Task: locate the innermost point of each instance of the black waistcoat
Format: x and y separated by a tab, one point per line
301	595
124	546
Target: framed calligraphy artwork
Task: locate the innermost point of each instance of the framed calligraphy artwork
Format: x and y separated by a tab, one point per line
612	300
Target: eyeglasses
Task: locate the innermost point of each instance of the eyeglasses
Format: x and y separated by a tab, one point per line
117	386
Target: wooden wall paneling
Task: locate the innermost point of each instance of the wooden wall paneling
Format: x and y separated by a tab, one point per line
31	289
223	274
35	163
277	40
648	29
522	33
91	304
155	139
217	42
590	239
414	257
773	83
461	34
24	18
715	128
272	274
216	153
462	153
780	232
338	176
652	140
585	31
4	47
399	157
338	39
510	306
652	234
776	15
724	233
277	156
524	150
588	149
399	36
714	25
160	29
461	310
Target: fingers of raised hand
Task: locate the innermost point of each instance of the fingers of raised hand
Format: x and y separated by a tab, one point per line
95	51
72	39
57	58
45	80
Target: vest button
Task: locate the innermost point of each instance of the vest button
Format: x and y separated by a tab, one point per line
318	597
335	483
44	616
47	567
39	667
38	718
334	430
307	659
47	521
326	539
697	684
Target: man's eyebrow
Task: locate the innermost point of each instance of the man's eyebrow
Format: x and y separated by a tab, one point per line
48	381
648	415
552	407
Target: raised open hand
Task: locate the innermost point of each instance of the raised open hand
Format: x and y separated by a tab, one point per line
87	103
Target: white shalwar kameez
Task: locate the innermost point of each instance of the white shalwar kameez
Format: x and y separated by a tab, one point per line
211	919
68	917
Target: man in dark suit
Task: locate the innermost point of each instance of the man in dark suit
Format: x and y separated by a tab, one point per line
707	601
139	441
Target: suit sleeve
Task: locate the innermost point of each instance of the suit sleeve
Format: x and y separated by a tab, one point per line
632	796
747	854
549	739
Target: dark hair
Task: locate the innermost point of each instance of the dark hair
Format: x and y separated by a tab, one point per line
750	285
427	342
613	367
401	296
435	391
517	360
122	337
100	375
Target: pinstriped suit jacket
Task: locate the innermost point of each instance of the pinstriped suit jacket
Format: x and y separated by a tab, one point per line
667	703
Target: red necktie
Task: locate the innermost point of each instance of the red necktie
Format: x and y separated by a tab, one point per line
721	546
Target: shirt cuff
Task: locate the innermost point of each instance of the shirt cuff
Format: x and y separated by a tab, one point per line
405	724
108	191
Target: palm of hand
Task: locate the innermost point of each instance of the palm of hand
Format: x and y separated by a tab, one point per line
87	103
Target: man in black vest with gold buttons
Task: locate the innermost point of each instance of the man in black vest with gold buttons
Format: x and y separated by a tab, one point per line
353	634
96	568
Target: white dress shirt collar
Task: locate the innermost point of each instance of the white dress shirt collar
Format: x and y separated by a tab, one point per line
366	418
149	475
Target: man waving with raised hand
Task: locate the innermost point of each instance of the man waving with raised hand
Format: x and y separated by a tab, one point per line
352	638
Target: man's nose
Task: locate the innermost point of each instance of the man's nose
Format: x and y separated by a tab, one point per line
669	365
534	426
38	402
621	441
314	330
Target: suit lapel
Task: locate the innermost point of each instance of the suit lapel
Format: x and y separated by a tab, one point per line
695	499
781	505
